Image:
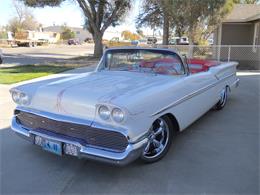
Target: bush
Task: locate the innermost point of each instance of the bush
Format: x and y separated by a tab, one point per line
3	35
67	33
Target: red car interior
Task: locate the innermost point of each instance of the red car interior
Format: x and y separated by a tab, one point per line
199	65
162	65
169	65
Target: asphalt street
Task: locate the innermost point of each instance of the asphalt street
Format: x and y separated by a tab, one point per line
218	154
44	54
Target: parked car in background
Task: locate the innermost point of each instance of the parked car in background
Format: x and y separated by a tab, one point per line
73	42
134	42
132	106
89	40
1	56
179	41
210	41
151	40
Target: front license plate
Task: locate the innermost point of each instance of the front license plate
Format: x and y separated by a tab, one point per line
52	146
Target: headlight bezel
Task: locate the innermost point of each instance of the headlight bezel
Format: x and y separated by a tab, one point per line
25	100
118	112
15	96
111	113
105	114
20	98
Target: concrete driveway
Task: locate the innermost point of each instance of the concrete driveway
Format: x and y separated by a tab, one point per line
218	154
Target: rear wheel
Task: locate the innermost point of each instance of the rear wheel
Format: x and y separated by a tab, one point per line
223	99
159	140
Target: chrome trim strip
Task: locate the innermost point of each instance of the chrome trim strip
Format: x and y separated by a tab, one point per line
189	96
57	117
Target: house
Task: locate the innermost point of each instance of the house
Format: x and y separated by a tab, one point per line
80	33
52	37
241	30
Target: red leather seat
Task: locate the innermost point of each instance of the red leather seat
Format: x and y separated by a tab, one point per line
199	65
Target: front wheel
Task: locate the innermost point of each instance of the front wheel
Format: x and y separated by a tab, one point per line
159	140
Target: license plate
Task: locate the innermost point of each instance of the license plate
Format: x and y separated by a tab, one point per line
52	146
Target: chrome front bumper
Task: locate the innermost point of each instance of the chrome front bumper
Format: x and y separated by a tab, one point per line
131	153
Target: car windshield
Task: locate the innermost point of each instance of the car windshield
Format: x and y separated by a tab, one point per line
141	60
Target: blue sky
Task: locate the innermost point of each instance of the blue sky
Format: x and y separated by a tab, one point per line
68	13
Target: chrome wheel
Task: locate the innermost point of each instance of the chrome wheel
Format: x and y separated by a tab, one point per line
223	99
157	139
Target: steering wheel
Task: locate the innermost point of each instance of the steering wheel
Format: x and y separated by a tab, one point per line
165	70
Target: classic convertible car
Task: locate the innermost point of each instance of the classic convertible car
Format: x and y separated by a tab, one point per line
132	106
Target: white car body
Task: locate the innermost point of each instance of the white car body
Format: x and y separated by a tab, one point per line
142	97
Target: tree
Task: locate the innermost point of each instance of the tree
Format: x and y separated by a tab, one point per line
156	13
198	16
99	14
140	32
193	17
14	25
67	33
23	20
3	35
28	23
214	18
135	36
126	35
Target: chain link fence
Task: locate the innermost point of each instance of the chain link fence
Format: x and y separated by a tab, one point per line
248	56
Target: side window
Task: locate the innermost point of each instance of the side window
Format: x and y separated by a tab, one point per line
117	61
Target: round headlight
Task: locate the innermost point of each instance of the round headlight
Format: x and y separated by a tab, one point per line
24	99
118	115
104	112
20	98
15	96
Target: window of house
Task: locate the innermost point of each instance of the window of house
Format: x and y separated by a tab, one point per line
256	37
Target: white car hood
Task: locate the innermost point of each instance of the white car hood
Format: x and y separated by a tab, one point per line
78	95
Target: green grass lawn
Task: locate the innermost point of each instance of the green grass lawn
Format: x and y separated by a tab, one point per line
27	72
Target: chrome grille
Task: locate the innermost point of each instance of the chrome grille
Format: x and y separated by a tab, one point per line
84	134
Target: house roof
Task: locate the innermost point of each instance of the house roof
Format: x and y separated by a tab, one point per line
77	30
60	29
244	13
